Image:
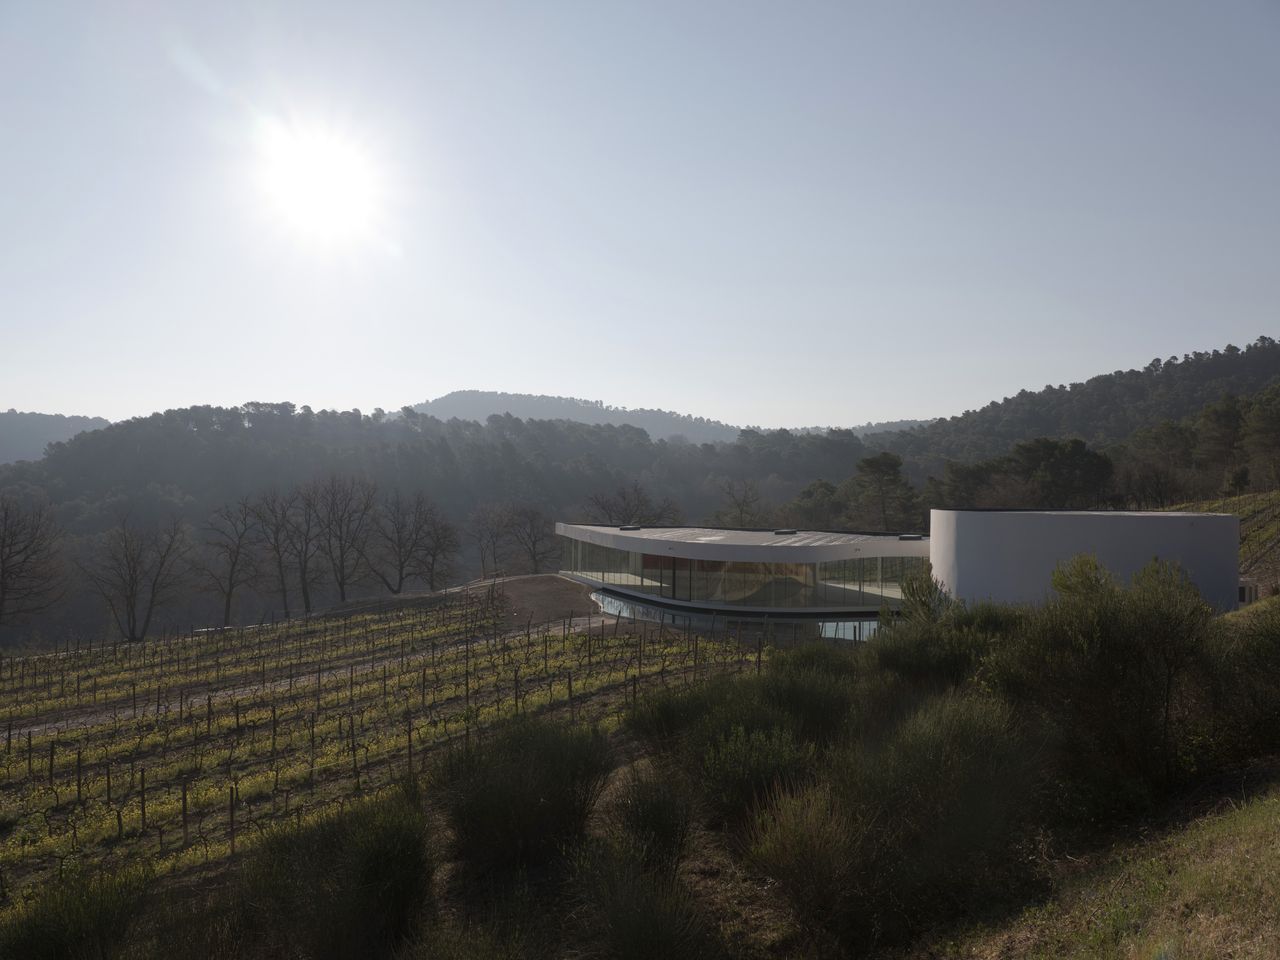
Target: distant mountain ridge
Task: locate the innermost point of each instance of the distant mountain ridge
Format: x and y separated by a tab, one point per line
479	405
23	436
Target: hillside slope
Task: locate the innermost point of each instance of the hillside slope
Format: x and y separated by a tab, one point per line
1207	890
1102	410
1259	515
24	436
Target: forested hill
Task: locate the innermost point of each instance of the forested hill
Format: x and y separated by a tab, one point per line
190	461
1102	410
479	405
23	436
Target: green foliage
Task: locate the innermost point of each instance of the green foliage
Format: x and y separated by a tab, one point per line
81	917
740	766
1119	673
807	841
816	703
523	795
663	716
935	654
916	827
651	816
350	884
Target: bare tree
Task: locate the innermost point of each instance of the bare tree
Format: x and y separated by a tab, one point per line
632	504
439	551
398	532
29	572
304	534
346	506
533	534
743	506
228	562
488	529
138	572
271	513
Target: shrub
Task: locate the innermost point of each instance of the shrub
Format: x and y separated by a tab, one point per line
816	703
739	766
1120	673
525	793
936	654
947	791
630	912
911	831
811	846
349	884
661	717
651	816
814	658
82	916
1244	698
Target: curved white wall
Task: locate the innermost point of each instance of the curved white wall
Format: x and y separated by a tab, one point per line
1010	556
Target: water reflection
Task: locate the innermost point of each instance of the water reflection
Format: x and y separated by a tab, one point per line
858	629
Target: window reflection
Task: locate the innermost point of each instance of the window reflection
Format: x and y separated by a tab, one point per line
864	582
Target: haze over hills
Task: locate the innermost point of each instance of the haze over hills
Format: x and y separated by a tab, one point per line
1105	409
24	436
659	424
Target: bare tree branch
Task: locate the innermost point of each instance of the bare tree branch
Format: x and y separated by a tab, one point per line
29	570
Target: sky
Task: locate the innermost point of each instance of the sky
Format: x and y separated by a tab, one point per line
764	213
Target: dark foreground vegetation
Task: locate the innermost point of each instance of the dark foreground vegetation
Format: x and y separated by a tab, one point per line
875	800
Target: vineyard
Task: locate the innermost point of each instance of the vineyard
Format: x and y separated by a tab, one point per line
1259	515
175	749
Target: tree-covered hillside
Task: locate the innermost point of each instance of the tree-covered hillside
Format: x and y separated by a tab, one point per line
23	436
1102	410
226	487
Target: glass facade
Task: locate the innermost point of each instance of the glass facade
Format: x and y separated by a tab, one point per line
864	583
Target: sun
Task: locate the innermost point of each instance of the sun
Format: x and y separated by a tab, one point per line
319	184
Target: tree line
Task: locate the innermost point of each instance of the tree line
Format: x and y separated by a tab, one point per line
324	541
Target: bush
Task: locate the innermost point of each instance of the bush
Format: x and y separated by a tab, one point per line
350	884
817	704
651	816
630	912
1244	700
665	717
932	654
81	916
913	830
820	658
524	794
740	766
1122	675
812	847
948	790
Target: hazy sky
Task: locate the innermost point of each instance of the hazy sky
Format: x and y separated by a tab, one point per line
776	213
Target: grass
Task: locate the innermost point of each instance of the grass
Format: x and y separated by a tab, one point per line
630	913
1202	892
651	816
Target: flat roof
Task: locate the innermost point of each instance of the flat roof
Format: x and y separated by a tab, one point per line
744	538
760	546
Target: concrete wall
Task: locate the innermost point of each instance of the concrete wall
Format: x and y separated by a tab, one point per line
1010	556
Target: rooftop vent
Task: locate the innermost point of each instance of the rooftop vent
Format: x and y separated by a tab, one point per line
630	526
910	536
784	533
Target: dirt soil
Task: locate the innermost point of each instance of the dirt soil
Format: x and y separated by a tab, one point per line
544	597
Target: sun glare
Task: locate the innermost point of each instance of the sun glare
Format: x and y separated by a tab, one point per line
321	185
